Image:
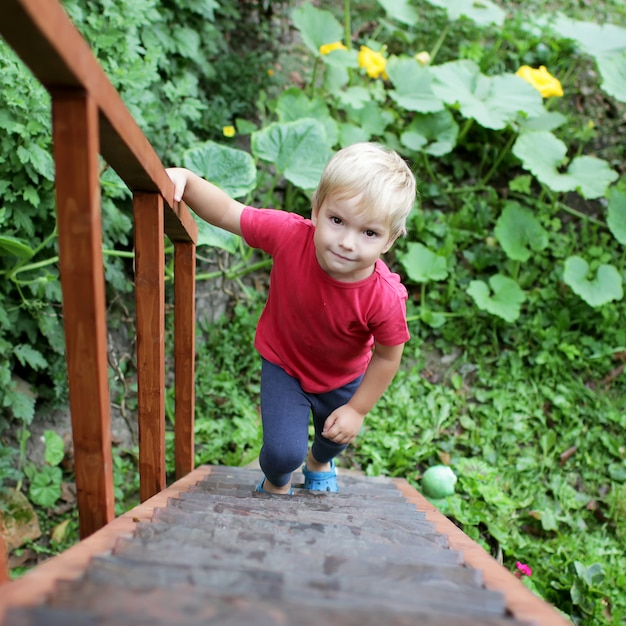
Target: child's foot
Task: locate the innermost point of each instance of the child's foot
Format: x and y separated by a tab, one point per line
320	480
265	486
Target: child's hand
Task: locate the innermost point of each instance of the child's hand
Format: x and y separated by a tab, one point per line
343	425
178	176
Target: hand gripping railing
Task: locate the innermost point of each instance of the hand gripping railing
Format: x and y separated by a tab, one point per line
88	119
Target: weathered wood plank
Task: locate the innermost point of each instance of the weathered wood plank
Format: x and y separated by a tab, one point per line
150	305
184	355
75	139
4	561
44	37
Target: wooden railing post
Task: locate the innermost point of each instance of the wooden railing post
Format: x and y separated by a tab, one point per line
76	150
184	354
4	561
150	303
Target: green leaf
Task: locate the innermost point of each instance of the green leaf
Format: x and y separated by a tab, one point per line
317	27
600	289
483	13
22	405
401	11
606	43
293	105
434	133
350	133
504	300
412	83
519	232
299	150
12	246
55	448
231	169
543	154
616	215
45	487
214	237
27	355
355	97
422	265
370	118
493	101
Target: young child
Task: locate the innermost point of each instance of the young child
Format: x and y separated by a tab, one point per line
333	328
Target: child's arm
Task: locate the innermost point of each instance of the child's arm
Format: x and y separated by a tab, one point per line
207	201
343	425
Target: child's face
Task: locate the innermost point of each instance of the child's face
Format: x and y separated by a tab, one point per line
348	243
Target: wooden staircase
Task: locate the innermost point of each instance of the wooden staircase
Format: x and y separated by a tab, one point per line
207	549
214	552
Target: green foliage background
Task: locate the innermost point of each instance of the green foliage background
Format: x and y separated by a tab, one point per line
524	398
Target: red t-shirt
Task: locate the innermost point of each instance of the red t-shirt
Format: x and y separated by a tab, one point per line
318	329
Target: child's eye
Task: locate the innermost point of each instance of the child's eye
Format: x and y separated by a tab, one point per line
335	220
371	234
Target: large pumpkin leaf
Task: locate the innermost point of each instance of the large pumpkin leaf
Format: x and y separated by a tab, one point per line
422	265
400	10
606	43
519	232
493	101
483	12
616	215
504	299
230	169
434	133
299	150
412	85
596	290
317	26
543	154
293	104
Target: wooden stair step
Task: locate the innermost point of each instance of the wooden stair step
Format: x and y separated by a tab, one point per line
223	538
221	578
246	509
188	606
312	561
311	532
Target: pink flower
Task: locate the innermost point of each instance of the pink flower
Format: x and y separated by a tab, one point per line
523	570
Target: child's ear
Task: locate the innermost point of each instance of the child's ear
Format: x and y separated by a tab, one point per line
314	215
389	244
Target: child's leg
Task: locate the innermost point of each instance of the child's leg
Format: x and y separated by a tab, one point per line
285	412
323	450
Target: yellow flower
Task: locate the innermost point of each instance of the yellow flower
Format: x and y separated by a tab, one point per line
327	48
373	62
229	131
423	58
270	72
546	84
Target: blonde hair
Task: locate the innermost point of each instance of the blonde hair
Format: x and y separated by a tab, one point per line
380	176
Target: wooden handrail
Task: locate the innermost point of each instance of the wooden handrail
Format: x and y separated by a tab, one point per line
89	118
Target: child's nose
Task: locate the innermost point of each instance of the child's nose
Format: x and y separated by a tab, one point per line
347	241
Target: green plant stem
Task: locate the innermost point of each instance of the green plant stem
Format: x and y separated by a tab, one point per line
468	124
428	167
236	272
30	266
580	214
314	76
347	25
270	191
499	158
439	43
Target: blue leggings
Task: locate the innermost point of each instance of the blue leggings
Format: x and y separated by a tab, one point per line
285	412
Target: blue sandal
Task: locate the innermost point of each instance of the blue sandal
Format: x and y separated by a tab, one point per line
321	481
259	489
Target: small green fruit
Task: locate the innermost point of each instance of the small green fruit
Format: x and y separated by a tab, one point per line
438	482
